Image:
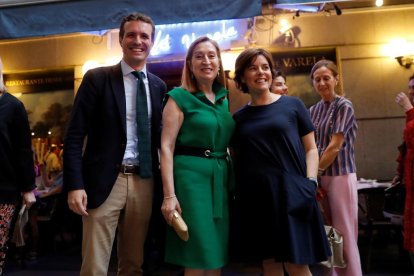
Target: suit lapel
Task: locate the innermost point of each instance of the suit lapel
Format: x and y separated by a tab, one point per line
117	85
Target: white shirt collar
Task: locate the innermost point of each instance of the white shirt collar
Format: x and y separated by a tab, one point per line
126	69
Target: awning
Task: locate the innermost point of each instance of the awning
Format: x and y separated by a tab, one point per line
92	15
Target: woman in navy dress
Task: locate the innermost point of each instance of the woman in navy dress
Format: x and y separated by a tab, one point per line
274	144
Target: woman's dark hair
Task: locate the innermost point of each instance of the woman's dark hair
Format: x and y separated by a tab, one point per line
279	73
244	60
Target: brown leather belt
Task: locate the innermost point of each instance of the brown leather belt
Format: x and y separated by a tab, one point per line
129	169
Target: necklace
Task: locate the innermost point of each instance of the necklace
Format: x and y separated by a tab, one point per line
331	111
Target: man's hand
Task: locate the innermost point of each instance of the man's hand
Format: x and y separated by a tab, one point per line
395	180
77	200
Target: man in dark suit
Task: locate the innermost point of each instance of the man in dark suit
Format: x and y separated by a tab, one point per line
102	172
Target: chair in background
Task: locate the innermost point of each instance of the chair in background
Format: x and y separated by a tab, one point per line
374	226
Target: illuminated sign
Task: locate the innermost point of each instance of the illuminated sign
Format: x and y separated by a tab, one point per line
176	38
40	81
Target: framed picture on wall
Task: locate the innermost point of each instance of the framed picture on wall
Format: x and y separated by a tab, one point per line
47	96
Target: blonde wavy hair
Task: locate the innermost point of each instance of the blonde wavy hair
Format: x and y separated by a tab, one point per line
188	82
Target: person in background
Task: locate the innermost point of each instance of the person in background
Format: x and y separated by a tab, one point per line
17	176
405	170
279	84
61	155
118	109
47	196
197	127
274	143
335	127
52	162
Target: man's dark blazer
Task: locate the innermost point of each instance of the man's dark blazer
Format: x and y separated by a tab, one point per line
99	114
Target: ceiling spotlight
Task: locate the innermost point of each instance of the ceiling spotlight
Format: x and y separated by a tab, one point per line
337	9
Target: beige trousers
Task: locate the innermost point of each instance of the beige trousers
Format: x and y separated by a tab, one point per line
128	210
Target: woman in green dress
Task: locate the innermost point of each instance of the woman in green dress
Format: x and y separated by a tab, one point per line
197	127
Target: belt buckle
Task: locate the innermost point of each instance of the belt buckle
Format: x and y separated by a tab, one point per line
127	167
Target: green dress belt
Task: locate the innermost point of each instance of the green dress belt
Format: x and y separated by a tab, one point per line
218	173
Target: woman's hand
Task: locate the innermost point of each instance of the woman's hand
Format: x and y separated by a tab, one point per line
169	205
403	101
320	194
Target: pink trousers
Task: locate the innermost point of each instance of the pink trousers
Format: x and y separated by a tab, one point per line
340	207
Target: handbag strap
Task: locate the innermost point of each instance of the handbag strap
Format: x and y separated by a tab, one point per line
334	113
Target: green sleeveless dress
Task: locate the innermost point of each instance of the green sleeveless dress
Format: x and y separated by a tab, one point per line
201	184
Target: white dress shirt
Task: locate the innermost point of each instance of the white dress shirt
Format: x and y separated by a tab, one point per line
130	84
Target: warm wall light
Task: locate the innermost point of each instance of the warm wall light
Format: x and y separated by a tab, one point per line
379	3
90	64
228	60
402	51
284	25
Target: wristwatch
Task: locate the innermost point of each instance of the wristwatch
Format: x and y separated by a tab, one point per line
314	180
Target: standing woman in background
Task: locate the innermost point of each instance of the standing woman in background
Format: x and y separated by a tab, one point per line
197	127
17	176
405	165
335	128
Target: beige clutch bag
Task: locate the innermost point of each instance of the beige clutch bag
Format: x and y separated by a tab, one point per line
180	226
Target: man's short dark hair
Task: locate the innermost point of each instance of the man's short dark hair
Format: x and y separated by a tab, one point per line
136	17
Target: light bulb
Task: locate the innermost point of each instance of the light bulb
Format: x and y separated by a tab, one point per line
379	3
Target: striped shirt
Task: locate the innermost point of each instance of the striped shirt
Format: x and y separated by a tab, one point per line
332	118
